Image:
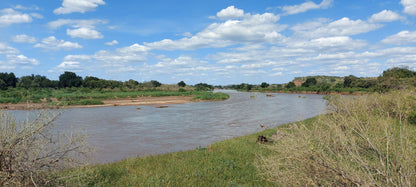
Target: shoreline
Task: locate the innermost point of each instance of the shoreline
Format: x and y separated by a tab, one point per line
139	101
313	92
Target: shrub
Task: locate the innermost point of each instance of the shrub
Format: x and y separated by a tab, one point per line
364	141
31	151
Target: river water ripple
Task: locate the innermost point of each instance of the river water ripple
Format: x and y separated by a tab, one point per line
121	132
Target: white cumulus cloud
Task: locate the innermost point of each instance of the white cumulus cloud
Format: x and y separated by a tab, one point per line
23	38
79	28
9	16
54	44
385	16
403	37
258	28
82	6
85	33
75	23
230	13
341	27
304	7
69	65
335	43
114	42
21	60
409	7
5	49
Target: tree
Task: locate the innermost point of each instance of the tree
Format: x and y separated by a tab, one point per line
348	81
131	83
92	82
8	80
35	81
399	72
264	85
290	85
203	87
155	83
181	84
69	79
311	81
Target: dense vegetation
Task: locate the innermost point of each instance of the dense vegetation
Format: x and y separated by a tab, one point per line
394	78
365	141
72	89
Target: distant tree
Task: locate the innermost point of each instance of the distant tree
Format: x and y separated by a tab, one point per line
131	84
364	83
69	79
324	87
3	85
399	72
7	80
155	83
35	81
290	85
396	78
264	85
203	87
249	87
181	84
93	82
348	81
311	81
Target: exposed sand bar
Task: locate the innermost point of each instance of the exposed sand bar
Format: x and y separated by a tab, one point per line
139	101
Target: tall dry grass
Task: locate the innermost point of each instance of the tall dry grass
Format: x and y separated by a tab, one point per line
31	151
364	141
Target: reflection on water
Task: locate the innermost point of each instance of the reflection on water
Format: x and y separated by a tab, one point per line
120	132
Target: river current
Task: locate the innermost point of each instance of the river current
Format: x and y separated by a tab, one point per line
121	132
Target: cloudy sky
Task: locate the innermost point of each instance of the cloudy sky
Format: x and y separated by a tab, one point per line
217	42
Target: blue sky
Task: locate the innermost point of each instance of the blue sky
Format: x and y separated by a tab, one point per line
216	42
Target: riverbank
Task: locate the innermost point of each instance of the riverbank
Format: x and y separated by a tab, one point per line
232	162
87	98
139	101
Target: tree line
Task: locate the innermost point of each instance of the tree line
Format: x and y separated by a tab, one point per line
393	78
71	80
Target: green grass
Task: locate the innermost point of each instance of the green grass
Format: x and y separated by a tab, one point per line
211	96
86	96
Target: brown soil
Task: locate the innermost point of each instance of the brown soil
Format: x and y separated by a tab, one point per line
139	101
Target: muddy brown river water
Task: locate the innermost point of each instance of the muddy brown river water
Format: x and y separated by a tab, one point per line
121	132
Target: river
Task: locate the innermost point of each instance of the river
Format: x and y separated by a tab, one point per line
121	132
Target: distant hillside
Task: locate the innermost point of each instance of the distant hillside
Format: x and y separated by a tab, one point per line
396	78
332	80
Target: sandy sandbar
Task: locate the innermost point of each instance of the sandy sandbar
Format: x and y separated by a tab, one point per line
139	101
